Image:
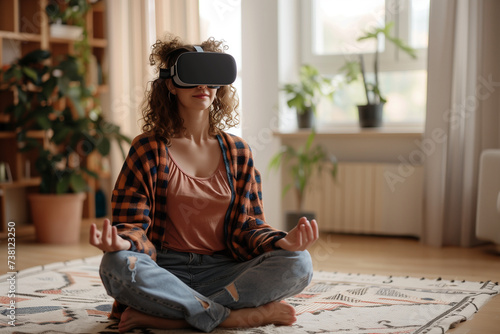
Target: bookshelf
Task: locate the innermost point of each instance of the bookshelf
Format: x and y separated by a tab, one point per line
24	27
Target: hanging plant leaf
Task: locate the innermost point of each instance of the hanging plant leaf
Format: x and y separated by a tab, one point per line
90	173
34	57
69	67
62	186
104	146
14	72
61	134
77	183
48	87
22	95
31	74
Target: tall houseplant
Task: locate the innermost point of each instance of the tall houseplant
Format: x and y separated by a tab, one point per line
305	95
300	164
54	99
371	114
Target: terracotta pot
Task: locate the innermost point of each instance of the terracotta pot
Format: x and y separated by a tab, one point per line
57	218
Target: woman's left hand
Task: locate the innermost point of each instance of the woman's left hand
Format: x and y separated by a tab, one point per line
301	236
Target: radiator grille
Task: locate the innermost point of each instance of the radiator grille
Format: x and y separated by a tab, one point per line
362	200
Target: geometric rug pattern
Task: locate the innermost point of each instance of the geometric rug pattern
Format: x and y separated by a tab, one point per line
68	297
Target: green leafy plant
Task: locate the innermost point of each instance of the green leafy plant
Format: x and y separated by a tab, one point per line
55	99
72	12
67	11
301	163
353	69
307	92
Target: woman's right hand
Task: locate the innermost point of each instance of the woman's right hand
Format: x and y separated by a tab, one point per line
108	240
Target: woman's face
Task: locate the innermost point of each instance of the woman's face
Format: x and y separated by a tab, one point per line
197	98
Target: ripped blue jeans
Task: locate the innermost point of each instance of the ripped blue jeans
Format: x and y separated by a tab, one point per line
202	289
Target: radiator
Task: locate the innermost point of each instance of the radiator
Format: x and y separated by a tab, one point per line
368	198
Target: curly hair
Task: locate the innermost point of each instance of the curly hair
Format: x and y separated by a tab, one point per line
160	111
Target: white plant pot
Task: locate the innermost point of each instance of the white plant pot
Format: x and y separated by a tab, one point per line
66	31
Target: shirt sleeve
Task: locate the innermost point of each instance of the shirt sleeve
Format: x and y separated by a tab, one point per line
133	196
251	235
259	236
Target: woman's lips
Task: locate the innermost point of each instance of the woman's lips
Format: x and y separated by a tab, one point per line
201	96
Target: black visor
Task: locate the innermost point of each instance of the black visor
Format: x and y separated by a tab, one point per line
192	69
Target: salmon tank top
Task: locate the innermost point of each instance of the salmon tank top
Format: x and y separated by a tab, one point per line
196	208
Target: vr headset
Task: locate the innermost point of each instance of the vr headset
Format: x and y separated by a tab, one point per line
192	69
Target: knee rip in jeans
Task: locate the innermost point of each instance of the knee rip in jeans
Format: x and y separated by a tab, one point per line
231	288
131	261
203	303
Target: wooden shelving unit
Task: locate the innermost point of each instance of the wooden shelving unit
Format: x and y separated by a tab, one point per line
24	27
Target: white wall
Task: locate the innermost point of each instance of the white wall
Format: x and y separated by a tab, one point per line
260	89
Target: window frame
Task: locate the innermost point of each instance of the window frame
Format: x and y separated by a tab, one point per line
390	59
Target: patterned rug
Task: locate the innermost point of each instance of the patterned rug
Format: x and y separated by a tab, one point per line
69	298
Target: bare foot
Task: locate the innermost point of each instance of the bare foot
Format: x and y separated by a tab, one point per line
277	313
132	318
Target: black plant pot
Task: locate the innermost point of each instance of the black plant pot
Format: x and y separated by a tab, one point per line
371	115
305	119
292	218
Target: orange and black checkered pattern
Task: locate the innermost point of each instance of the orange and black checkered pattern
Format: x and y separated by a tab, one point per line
139	199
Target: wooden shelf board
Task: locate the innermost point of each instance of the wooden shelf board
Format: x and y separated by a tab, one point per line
62	40
98	42
7	134
37	134
33	182
26	37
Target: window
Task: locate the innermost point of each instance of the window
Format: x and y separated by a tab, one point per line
221	19
330	30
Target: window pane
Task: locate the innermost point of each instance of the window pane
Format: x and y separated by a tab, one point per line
405	92
338	23
419	23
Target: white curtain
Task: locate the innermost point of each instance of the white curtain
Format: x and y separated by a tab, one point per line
463	104
133	26
179	17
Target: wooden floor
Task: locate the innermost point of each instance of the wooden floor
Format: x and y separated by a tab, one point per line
344	253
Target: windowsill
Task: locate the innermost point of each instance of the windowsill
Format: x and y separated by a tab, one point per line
356	132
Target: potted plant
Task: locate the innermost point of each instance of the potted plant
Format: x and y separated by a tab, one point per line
67	18
55	100
305	95
300	164
371	114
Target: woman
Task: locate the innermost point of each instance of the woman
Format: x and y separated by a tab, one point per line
189	245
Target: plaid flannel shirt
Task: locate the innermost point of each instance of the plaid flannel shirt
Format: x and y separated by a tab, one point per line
140	197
